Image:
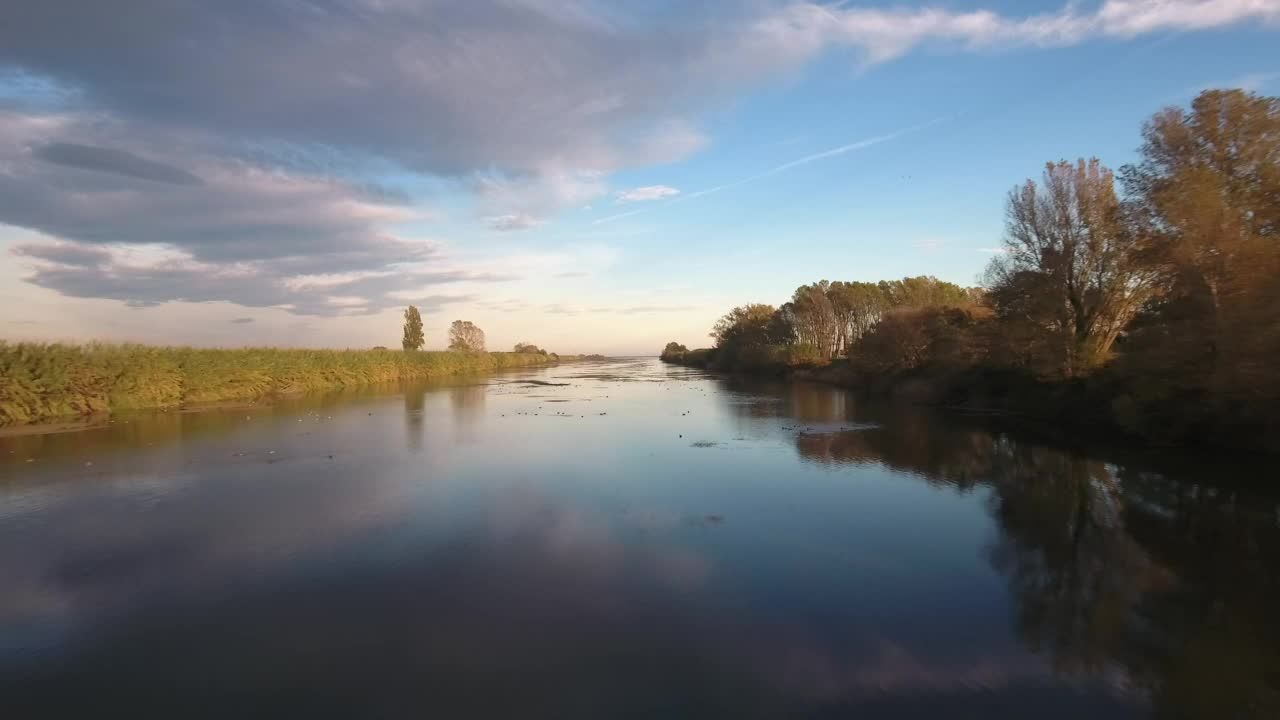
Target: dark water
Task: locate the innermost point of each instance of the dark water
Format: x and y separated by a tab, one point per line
644	541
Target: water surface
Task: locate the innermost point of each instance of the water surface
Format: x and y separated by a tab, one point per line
625	539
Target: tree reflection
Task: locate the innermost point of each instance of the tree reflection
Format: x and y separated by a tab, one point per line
1074	572
415	401
1145	579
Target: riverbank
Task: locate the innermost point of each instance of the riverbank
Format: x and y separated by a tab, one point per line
1137	411
41	382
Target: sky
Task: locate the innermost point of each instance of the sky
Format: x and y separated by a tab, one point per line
586	175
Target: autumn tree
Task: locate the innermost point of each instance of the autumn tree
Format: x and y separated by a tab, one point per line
924	291
1207	194
413	339
528	348
465	336
1067	239
858	307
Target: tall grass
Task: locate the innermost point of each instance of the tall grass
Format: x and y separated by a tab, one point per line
40	381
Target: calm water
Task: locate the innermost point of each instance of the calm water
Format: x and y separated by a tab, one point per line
632	541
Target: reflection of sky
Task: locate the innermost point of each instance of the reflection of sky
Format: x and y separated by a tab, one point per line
488	515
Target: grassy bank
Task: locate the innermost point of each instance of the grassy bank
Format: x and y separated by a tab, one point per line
43	381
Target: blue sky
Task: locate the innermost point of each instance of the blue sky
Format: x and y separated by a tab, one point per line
588	176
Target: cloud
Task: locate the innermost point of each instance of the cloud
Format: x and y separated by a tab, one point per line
110	160
804	160
157	276
618	216
801	30
66	253
237	142
508	223
242	321
647	193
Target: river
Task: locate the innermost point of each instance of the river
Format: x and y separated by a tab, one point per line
625	539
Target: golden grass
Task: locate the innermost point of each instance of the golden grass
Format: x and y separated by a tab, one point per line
48	380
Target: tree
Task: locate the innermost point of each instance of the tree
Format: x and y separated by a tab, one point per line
1068	239
1207	194
465	336
413	339
858	307
743	325
814	319
674	350
922	292
528	348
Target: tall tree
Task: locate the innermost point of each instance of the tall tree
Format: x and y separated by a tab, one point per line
1068	239
465	336
413	338
1207	189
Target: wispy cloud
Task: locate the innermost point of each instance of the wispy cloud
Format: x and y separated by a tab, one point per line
647	193
833	152
798	162
242	321
803	29
510	223
611	218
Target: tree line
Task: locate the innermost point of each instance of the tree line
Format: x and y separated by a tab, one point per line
1161	281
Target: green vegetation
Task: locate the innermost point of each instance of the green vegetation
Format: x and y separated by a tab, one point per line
413	339
41	381
1153	311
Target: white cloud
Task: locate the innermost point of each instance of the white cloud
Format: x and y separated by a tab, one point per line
509	223
801	30
647	193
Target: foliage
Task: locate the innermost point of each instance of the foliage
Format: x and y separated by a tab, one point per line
413	339
465	336
906	339
1156	312
39	381
1072	275
673	351
1207	193
529	348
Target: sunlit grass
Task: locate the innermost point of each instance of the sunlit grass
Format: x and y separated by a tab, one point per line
41	380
